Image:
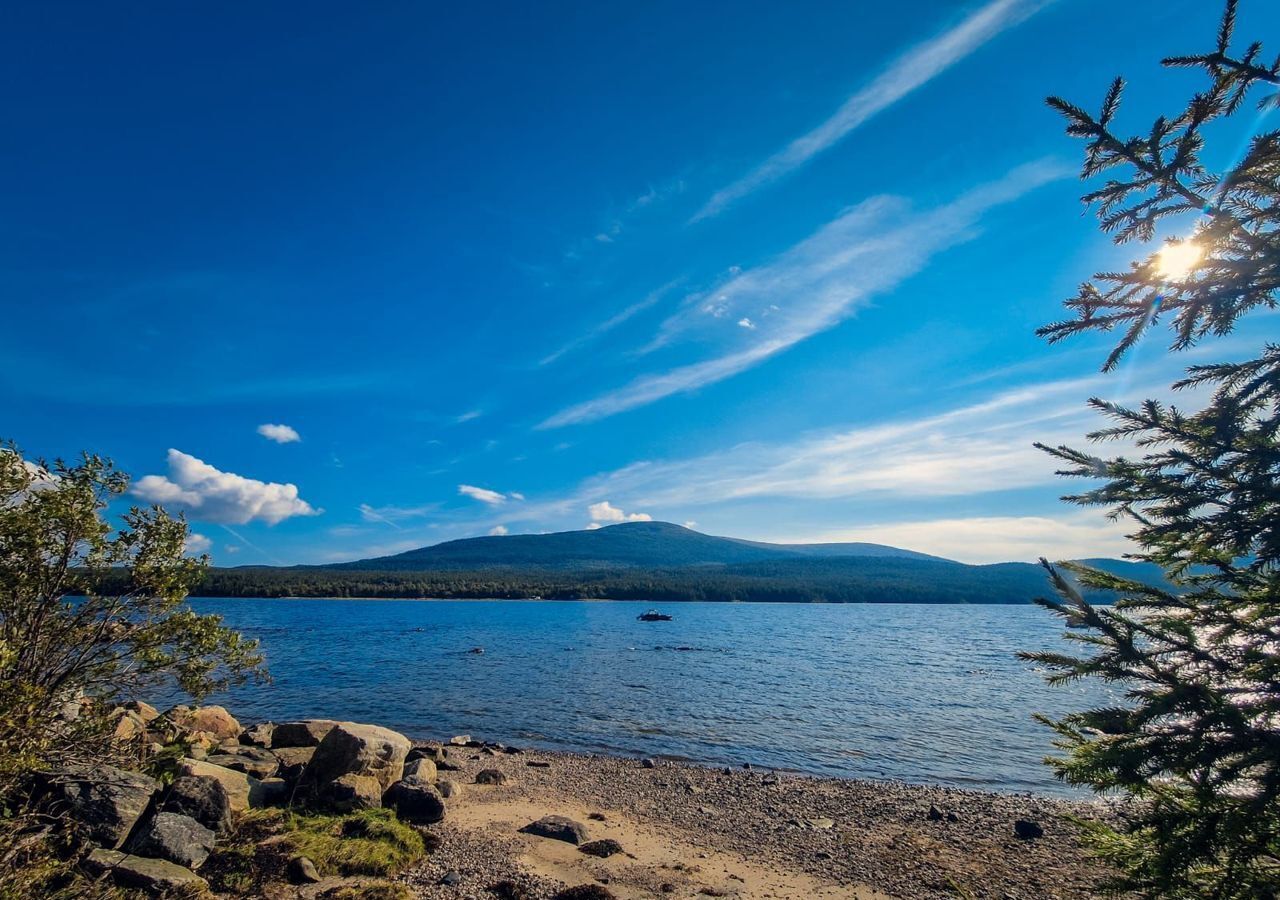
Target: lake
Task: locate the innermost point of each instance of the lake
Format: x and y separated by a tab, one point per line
922	693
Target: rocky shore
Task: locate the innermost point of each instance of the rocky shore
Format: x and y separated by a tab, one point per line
326	809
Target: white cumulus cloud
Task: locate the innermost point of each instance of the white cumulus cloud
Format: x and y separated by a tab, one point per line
498	531
211	495
604	511
281	434
197	544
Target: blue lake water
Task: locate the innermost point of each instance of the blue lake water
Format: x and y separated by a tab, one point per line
914	692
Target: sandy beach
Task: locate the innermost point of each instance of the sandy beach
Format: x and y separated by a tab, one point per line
690	831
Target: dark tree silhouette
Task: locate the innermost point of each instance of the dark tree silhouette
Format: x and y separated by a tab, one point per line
1196	741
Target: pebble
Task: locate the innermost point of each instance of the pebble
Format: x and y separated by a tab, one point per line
883	839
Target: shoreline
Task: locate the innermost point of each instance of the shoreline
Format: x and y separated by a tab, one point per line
730	602
749	833
313	808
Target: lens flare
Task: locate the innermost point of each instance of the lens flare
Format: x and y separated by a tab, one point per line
1175	261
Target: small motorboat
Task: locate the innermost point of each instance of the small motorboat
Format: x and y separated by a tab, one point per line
654	616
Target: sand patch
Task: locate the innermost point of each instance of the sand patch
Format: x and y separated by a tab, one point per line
653	856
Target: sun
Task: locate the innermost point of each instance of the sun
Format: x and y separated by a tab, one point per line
1175	261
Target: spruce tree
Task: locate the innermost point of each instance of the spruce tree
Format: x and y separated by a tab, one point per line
1194	741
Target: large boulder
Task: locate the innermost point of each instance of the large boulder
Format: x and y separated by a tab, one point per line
558	828
175	837
415	801
214	721
351	793
200	797
292	760
421	768
308	733
351	749
238	785
107	802
269	792
260	735
156	876
129	725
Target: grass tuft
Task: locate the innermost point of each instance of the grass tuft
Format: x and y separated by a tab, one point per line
371	842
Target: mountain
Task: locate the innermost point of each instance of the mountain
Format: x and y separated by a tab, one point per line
656	562
650	545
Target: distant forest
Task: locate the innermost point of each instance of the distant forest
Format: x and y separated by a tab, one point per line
869	580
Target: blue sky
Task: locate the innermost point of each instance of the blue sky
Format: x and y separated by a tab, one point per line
772	269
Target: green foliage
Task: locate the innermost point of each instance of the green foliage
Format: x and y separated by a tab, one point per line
67	650
372	842
1195	742
33	863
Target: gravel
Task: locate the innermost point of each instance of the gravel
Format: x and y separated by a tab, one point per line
878	834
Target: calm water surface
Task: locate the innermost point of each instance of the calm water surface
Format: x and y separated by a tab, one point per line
915	692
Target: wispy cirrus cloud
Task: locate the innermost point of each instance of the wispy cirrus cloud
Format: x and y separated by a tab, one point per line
394	515
992	539
916	67
612	322
818	283
487	496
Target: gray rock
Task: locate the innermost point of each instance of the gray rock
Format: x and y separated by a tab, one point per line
415	801
293	761
308	733
253	761
175	837
269	792
351	793
259	735
603	849
421	768
591	891
238	785
203	799
452	878
156	876
648	763
558	828
449	789
935	814
1027	830
434	752
490	776
302	870
460	740
352	749
105	800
